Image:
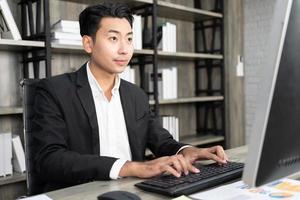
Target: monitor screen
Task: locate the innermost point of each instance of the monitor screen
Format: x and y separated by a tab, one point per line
274	149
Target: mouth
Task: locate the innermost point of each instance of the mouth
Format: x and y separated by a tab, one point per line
121	62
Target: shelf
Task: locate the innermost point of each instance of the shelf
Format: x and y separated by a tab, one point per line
197	140
18	45
188	100
11	110
167	9
65	48
16	177
201	140
130	3
188	56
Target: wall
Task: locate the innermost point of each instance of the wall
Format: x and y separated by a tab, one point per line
257	18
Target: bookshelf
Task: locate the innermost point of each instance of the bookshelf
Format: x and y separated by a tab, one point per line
10	110
65	57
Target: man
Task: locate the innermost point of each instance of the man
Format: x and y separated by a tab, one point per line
91	125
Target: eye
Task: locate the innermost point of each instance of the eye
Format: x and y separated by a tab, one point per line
130	39
113	38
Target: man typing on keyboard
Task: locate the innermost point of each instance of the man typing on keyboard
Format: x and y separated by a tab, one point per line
91	125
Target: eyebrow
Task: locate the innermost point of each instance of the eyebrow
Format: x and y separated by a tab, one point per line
118	32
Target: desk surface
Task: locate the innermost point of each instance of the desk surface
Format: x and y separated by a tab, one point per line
90	191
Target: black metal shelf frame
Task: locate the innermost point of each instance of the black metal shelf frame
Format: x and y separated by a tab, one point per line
36	28
209	38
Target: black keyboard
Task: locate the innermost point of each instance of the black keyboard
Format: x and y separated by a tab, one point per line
209	176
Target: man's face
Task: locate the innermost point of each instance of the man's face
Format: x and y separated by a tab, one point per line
112	47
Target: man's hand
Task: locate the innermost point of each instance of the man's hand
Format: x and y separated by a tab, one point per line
175	165
216	153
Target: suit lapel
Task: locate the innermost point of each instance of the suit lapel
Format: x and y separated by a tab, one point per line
85	95
128	105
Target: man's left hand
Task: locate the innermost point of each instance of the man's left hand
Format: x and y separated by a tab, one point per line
216	153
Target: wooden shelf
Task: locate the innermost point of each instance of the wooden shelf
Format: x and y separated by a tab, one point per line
201	140
11	110
65	48
167	9
195	140
18	45
189	100
16	177
130	3
188	56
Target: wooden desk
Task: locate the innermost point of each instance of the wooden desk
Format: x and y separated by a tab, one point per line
90	191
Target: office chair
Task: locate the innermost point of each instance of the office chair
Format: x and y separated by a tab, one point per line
34	184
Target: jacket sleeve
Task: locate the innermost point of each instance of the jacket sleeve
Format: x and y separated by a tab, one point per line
54	160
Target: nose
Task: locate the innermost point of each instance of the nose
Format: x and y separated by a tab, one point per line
125	47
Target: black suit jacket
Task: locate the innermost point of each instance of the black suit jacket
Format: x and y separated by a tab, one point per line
66	133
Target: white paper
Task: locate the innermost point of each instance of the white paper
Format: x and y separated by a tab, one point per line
240	67
281	189
38	197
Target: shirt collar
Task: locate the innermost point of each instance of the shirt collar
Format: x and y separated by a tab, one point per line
94	83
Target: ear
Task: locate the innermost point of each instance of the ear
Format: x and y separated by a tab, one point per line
87	43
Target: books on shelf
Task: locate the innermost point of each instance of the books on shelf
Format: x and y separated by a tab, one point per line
18	155
171	124
128	74
13	30
137	32
69	24
5	154
168	39
66	32
167	83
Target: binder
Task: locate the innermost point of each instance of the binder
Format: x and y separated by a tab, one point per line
7	154
1	154
18	155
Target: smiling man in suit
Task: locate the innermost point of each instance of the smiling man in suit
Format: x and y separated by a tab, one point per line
92	125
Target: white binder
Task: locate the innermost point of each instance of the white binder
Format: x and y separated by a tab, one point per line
18	155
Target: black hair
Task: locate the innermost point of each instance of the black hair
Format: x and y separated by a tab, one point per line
90	17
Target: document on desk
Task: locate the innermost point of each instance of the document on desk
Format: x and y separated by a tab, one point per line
38	197
281	189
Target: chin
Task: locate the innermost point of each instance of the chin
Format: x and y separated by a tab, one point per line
120	69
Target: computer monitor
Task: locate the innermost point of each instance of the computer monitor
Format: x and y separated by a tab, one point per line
274	149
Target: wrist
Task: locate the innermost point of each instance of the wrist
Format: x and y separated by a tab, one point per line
129	169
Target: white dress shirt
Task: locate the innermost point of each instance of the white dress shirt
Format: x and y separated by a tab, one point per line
113	135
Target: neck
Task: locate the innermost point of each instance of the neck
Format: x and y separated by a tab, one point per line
105	79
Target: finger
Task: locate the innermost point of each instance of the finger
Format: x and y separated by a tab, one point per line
219	152
192	168
183	163
214	157
171	170
176	164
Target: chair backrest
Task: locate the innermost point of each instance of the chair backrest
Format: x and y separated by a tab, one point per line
34	184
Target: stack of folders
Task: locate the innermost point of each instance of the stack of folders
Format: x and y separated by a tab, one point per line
167	83
9	29
171	124
168	40
18	155
137	32
5	154
128	74
66	32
